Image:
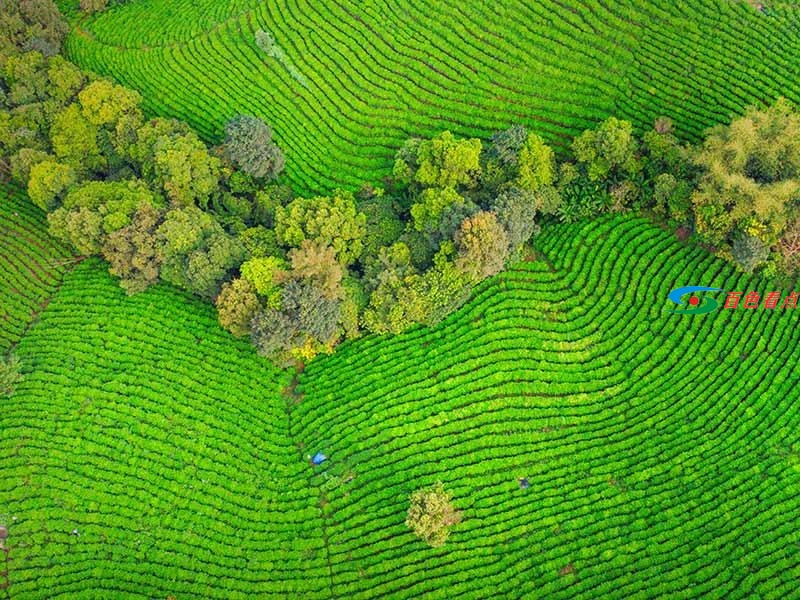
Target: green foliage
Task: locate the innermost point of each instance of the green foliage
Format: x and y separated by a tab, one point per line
536	165
105	104
94	209
749	252
264	274
328	220
249	145
580	197
48	183
403	297
442	161
237	304
10	374
260	242
431	205
507	144
185	169
198	254
515	210
608	152
383	224
672	198
172	156
751	177
307	323
431	514
74	140
136	251
267	201
483	246
30	25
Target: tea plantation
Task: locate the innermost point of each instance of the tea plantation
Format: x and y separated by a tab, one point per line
147	453
344	84
31	265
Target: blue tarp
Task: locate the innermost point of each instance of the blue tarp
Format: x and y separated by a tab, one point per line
318	458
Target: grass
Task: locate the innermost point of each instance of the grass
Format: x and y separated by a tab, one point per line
661	450
357	79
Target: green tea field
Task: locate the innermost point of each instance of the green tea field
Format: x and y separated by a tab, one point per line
148	454
32	264
343	84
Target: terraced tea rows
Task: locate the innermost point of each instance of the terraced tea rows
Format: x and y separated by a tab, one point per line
661	450
371	74
146	453
32	264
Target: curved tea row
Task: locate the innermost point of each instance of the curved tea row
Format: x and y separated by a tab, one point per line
147	452
367	75
660	449
32	265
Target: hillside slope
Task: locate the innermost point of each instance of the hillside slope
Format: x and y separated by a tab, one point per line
147	453
345	82
31	264
661	450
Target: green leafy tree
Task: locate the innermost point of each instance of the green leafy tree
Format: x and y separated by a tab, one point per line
431	205
608	152
515	210
25	78
249	145
23	161
198	254
443	161
307	323
318	264
403	297
330	221
536	165
94	209
506	145
168	153
749	252
74	140
431	514
751	176
115	110
672	197
383	224
265	274
136	251
260	242
386	276
49	182
267	201
237	304
65	80
30	25
482	246
185	169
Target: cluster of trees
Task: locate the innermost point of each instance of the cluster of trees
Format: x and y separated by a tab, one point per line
298	275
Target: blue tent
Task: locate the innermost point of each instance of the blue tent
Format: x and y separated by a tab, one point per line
318	458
